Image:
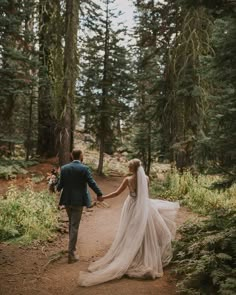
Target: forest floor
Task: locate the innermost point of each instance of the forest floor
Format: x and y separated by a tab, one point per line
42	268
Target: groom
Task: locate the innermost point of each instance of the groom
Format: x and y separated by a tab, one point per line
73	182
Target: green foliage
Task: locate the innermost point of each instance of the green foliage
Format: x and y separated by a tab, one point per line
8	172
220	134
50	74
26	215
37	178
150	52
104	78
18	67
9	168
194	192
205	256
185	98
172	90
182	91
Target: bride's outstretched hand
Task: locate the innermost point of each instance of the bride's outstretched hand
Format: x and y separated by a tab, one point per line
110	196
120	189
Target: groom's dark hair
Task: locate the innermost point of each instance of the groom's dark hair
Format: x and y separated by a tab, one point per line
76	154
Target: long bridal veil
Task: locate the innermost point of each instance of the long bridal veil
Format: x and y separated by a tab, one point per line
142	245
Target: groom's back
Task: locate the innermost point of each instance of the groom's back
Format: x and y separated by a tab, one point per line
75	175
73	184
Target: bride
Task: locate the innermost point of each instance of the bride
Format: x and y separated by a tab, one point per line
142	246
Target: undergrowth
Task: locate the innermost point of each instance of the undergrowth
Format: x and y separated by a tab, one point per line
9	168
26	216
205	256
194	192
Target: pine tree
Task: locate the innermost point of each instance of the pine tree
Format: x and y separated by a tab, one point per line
18	73
153	33
69	79
50	75
186	101
220	134
216	140
104	90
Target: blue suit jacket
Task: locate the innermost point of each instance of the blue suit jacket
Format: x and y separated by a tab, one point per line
73	182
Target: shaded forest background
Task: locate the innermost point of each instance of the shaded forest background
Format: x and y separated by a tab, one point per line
163	90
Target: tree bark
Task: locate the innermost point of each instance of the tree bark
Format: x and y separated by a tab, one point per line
70	70
104	116
47	120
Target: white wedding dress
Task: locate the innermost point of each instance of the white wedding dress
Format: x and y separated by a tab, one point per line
142	246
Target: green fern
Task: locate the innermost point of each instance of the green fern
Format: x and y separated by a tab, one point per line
205	256
26	215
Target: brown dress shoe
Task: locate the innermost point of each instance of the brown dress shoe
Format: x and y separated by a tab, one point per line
72	259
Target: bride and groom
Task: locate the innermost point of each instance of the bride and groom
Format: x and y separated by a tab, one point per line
142	245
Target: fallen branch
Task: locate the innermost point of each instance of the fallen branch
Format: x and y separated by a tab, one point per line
102	204
55	257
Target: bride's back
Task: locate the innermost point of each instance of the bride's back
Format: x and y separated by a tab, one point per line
132	184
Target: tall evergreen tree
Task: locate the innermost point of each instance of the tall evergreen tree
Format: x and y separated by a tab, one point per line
18	72
219	70
50	75
69	80
104	87
153	32
217	137
186	100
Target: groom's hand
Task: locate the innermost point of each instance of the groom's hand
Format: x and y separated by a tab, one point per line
100	198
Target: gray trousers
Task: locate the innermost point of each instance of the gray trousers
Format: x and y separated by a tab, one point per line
74	214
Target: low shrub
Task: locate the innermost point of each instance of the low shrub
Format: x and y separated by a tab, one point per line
9	168
205	256
27	215
194	192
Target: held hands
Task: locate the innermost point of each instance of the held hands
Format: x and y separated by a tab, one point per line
108	196
100	198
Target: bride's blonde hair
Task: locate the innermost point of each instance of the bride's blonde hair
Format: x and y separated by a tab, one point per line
134	164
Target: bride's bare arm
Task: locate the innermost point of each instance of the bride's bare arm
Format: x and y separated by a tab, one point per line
120	189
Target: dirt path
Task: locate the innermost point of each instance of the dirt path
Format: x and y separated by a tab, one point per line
25	271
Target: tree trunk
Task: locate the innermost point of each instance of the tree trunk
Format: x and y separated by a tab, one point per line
47	120
103	134
8	40
70	69
149	150
29	142
101	156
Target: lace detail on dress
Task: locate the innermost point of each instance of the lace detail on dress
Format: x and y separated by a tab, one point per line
133	194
